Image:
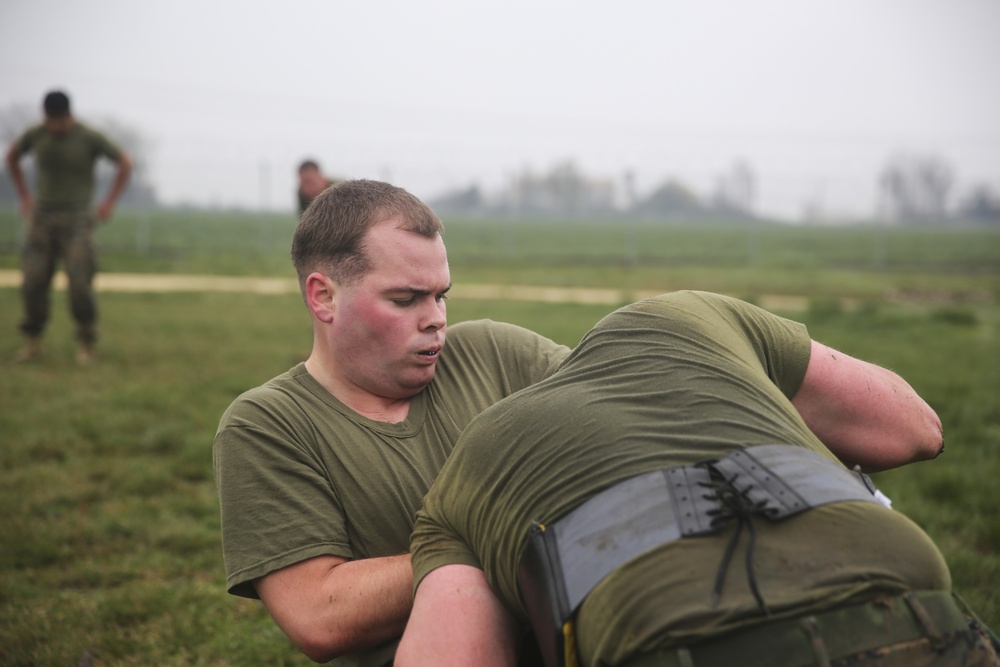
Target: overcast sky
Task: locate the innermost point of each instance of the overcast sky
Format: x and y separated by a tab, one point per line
816	95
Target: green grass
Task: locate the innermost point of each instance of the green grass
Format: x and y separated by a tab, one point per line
109	545
109	539
257	244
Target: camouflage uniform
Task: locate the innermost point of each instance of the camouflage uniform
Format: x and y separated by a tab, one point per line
62	226
54	234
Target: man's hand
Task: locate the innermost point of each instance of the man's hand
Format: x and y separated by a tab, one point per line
107	207
104	210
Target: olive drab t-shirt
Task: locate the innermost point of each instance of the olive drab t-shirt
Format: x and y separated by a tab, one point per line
301	475
673	380
64	165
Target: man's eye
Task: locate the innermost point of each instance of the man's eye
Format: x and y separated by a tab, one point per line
404	302
441	297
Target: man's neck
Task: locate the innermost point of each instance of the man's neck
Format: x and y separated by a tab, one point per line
366	404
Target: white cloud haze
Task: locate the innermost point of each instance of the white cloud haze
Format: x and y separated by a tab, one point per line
816	95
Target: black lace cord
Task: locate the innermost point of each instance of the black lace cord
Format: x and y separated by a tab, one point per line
736	505
727	556
751	577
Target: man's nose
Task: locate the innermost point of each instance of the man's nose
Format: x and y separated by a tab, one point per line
436	316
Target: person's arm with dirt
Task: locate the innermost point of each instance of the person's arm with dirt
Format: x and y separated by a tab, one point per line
867	415
107	206
20	183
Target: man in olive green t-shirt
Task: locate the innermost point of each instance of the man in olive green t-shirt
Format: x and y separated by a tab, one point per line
321	470
61	221
665	385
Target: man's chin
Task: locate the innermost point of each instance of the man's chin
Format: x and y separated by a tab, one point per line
413	386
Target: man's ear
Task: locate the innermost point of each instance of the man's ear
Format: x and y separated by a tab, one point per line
321	296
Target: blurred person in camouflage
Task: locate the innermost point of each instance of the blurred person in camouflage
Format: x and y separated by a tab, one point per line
61	218
312	181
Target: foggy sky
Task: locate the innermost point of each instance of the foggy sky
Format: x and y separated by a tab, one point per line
816	95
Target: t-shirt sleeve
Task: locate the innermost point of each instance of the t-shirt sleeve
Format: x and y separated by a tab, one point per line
24	143
525	357
535	358
277	504
106	147
434	543
783	346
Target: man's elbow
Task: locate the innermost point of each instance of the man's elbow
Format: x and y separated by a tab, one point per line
319	654
319	644
125	165
923	442
322	640
11	159
933	441
318	637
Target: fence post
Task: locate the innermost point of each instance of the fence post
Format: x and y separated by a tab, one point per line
510	240
753	245
263	231
631	243
880	250
142	233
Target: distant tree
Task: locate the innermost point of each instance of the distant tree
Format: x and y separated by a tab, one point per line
563	191
466	201
670	200
140	192
981	205
628	185
735	190
14	118
916	188
564	186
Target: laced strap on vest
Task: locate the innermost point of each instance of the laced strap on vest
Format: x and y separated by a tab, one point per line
564	561
734	504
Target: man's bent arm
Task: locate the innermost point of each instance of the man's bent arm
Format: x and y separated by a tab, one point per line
330	606
117	187
867	415
457	621
17	176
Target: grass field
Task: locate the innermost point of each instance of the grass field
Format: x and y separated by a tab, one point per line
109	539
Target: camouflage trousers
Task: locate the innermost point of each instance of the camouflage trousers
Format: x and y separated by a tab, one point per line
912	630
69	236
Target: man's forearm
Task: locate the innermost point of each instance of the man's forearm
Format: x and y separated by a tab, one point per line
329	606
117	187
121	178
866	414
16	175
457	620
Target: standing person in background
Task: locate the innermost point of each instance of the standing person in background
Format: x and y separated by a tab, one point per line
61	219
321	470
311	183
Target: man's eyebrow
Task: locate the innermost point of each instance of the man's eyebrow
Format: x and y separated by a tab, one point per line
417	291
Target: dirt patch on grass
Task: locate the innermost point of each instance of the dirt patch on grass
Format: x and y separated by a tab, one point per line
148	282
